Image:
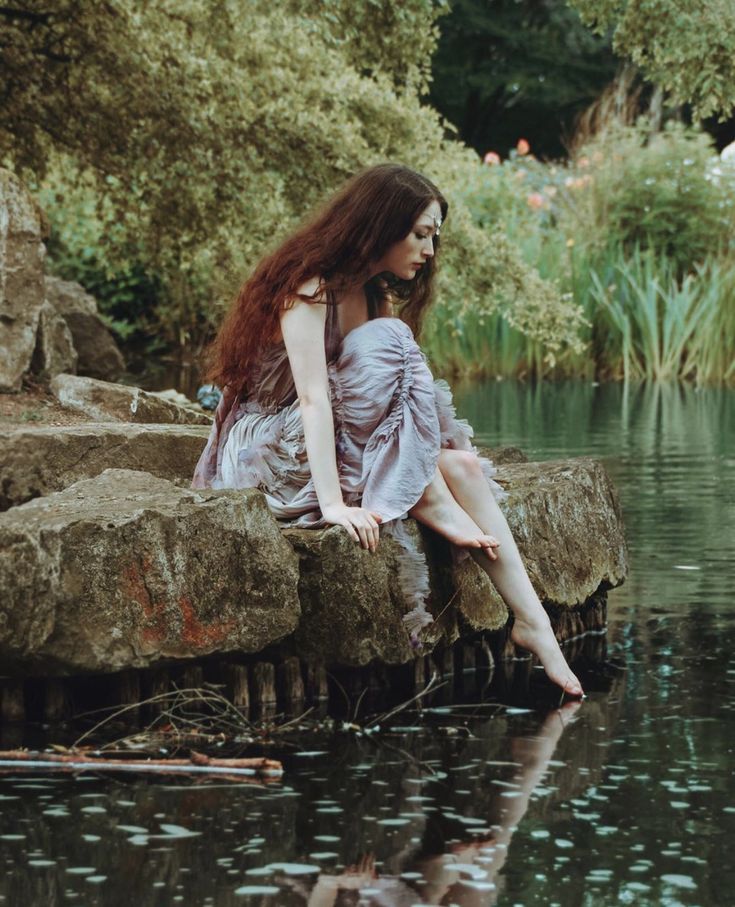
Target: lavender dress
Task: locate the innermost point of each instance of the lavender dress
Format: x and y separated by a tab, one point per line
391	419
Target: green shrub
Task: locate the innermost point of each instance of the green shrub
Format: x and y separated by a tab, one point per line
656	192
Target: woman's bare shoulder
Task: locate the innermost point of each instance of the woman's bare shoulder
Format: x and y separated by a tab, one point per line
307	292
312	288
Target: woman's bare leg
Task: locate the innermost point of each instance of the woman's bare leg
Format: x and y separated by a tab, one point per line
531	628
438	509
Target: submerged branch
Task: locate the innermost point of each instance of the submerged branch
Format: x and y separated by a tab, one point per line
197	763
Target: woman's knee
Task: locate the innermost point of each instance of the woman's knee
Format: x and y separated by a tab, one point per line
459	465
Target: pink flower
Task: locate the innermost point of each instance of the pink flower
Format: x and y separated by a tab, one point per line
492	157
536	201
579	182
523	147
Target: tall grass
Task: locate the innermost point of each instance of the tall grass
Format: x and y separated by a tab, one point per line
663	324
474	346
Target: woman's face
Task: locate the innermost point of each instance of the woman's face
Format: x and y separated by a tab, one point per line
406	257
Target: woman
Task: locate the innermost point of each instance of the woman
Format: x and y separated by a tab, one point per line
329	407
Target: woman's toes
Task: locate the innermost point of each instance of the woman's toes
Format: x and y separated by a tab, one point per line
572	686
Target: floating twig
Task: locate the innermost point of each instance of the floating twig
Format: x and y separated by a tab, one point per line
197	763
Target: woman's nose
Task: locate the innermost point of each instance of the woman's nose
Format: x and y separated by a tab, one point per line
428	249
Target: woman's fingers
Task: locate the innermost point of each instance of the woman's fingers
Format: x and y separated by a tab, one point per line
363	532
351	530
358	529
363	527
367	527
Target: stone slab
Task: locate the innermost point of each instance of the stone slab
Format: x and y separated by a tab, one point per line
104	401
127	570
39	461
566	518
54	352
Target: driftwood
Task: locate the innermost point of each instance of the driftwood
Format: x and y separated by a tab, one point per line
196	764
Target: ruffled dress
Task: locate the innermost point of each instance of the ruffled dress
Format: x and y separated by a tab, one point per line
391	419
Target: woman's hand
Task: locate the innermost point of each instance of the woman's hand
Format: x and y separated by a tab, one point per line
361	524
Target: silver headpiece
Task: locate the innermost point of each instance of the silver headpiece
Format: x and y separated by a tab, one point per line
437	224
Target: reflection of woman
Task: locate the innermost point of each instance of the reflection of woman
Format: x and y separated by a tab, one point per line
329	407
441	872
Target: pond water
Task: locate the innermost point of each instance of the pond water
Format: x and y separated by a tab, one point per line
626	798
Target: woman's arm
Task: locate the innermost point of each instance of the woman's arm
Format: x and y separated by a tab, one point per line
303	334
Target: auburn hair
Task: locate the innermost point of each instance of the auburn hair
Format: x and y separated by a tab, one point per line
339	244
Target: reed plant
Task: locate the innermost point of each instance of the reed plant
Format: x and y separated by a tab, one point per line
476	346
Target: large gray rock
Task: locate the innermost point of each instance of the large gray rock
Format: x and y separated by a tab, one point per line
126	570
103	401
566	519
352	603
98	354
21	279
55	352
40	461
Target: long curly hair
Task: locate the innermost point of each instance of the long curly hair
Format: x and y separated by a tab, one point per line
339	244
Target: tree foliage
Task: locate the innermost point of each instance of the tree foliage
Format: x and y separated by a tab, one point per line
686	46
206	128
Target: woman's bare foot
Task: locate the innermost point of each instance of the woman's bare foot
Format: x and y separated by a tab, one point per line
443	514
539	638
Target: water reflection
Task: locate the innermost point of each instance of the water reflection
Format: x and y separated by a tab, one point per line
420	817
448	865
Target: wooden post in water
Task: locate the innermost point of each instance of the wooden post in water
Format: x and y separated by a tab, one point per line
508	651
237	685
290	683
576	625
464	657
192	677
127	690
263	679
421	671
156	683
444	661
557	624
317	685
57	704
12	700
